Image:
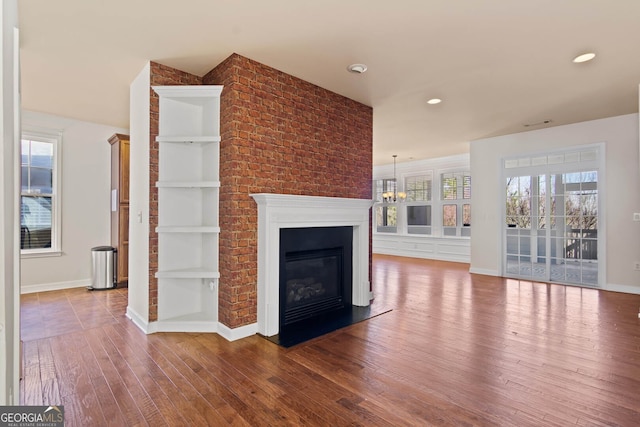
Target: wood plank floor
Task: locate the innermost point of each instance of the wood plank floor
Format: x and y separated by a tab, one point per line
457	349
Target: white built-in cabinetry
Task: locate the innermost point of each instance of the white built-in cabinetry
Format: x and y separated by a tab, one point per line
188	196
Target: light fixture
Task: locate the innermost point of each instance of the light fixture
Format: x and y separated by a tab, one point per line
544	122
394	196
584	57
357	68
434	101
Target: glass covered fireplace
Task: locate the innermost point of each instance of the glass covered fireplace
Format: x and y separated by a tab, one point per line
315	272
278	212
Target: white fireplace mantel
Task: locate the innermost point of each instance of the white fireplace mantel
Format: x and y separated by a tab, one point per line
276	211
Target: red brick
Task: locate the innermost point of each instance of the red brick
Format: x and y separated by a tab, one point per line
284	135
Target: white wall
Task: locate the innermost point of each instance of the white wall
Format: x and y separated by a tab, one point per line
434	246
85	195
621	192
138	308
9	239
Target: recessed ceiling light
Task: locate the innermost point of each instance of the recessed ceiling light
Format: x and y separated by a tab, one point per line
434	101
544	122
357	68
584	57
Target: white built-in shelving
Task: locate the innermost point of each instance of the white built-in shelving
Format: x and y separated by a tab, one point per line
188	196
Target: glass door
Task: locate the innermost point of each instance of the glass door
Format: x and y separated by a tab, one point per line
551	229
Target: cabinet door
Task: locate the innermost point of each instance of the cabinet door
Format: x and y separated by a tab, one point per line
124	224
123	263
124	171
123	247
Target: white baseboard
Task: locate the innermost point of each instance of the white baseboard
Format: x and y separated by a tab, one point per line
44	287
484	272
622	288
184	326
138	320
237	333
209	327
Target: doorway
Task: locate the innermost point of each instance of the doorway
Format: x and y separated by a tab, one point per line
552	218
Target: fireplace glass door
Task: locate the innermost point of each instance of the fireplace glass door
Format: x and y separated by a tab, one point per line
315	272
313	283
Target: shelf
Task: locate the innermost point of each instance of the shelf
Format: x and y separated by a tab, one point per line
188	207
187	229
188	273
191	317
190	94
188	184
194	322
188	139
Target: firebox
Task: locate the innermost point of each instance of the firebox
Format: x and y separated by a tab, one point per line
315	273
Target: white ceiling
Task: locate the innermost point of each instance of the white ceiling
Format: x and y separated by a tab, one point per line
497	64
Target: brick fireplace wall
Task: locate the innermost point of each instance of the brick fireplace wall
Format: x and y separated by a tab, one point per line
279	135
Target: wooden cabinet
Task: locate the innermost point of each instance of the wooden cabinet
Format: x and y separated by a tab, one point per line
188	195
120	204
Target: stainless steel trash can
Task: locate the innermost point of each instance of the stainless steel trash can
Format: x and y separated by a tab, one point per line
103	267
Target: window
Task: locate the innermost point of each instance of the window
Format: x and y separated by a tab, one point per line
449	215
386	219
39	215
466	215
418	203
418	188
456	206
386	214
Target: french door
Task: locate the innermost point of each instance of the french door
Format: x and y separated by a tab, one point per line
551	226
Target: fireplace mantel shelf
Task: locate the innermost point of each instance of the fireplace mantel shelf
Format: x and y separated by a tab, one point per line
286	200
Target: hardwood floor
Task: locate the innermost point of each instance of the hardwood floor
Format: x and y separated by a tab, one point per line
457	349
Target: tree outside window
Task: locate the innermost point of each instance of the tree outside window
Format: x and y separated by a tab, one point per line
449	215
456	210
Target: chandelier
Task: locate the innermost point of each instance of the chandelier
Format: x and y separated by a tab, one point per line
394	196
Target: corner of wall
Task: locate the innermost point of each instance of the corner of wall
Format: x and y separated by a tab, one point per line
139	195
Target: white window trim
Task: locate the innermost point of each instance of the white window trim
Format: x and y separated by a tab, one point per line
54	137
379	228
460	202
429	175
